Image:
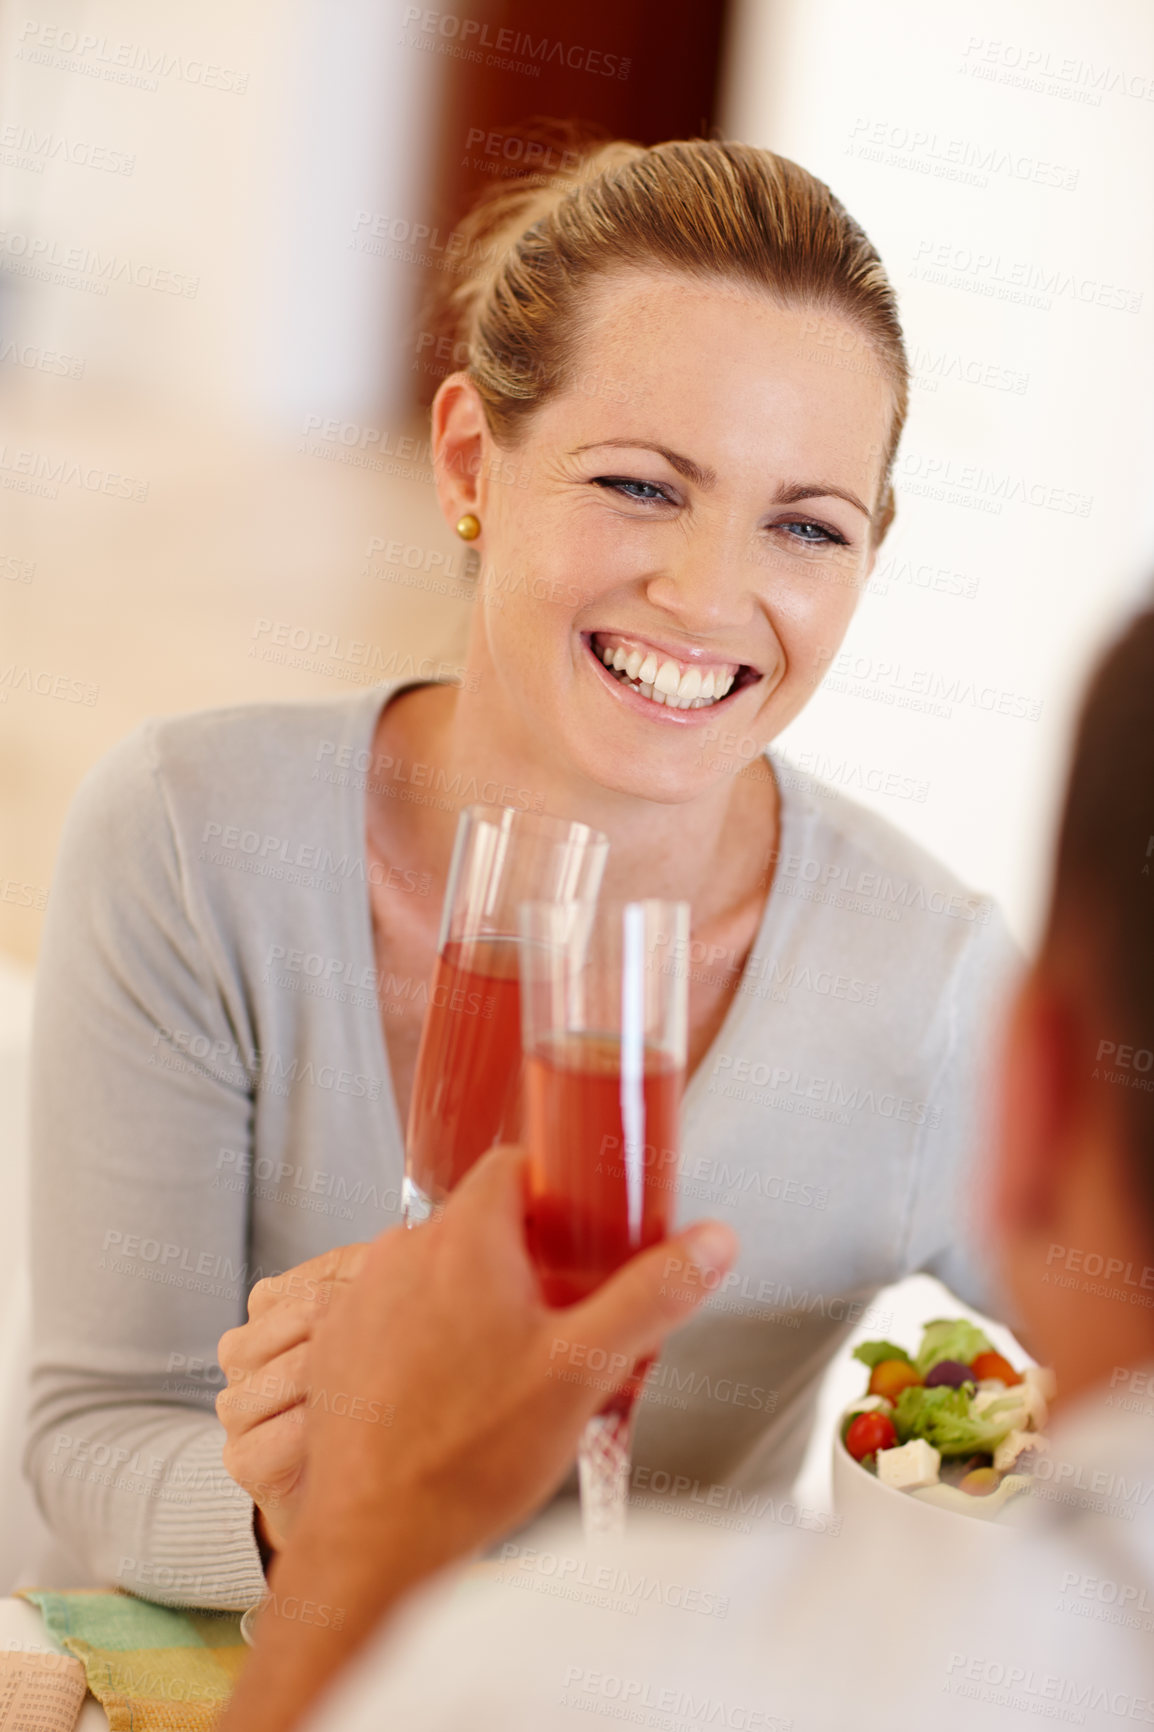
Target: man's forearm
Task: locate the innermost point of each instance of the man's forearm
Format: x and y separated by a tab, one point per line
328	1592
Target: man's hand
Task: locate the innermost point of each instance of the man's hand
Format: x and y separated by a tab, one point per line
444	1392
265	1361
445	1404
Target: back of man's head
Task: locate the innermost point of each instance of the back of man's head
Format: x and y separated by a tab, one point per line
1102	906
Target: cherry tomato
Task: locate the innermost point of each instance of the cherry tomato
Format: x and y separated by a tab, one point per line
993	1365
890	1376
981	1481
869	1433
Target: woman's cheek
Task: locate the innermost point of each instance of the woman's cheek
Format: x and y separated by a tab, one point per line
822	617
810	622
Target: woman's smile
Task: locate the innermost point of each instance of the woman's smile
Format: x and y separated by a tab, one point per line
706	539
667	683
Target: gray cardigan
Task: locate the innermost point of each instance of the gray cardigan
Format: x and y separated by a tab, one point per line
212	1103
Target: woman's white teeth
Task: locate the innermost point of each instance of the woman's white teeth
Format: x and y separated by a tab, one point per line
664	682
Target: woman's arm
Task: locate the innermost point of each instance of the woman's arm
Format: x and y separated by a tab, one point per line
141	1124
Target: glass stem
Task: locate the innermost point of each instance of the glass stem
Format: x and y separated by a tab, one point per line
603	1471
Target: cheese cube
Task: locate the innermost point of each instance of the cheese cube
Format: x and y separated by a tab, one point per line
1036	1406
1019	1443
910	1466
1038	1388
1041	1378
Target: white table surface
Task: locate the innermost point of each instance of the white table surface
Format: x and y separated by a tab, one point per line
21	1626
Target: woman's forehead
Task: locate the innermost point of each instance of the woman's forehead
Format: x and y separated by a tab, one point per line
635	299
738	375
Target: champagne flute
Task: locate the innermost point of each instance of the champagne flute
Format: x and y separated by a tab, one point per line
467	1085
604	1007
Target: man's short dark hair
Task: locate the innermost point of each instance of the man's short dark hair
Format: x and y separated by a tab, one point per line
1103	896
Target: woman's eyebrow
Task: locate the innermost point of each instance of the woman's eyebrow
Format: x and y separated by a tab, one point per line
695	472
706	478
820	490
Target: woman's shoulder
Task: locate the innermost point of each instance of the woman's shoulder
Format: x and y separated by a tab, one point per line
842	857
180	795
840	832
252	756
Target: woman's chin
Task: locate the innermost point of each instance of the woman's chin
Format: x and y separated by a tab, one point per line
645	777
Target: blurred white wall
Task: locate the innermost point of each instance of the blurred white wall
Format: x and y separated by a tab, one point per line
1001	157
206	319
207	165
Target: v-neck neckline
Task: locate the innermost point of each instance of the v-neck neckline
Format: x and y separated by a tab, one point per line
765	942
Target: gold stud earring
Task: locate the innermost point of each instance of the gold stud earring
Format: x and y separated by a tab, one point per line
468	527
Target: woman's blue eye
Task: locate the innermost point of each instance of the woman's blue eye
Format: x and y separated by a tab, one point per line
803	530
813	533
643	491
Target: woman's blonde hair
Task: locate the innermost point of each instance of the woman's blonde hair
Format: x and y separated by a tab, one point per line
524	257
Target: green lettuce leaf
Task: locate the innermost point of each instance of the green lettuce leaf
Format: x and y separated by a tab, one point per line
944	1417
951	1339
872	1353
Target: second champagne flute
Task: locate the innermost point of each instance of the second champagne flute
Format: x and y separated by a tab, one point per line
605	1023
467	1084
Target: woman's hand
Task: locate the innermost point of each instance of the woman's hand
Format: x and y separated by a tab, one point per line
265	1362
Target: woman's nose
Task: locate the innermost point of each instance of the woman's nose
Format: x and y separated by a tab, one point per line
702	581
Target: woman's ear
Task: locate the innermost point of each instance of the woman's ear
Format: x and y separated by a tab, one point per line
458	438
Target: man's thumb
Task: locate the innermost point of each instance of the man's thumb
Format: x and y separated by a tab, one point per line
636	1308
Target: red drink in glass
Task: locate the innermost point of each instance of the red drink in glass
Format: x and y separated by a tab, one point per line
467	1082
467	1087
582	1228
596	1196
604	1021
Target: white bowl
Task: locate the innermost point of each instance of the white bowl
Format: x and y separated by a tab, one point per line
862	1500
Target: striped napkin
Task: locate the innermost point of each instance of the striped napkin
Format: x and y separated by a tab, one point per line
151	1668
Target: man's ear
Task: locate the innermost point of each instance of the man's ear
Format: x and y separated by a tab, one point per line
458	437
1038	1108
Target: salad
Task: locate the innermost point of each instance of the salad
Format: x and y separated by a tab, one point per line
955	1424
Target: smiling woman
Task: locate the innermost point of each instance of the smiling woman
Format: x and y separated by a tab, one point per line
676	503
709	534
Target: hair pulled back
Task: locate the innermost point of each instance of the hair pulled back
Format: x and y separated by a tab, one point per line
527	254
